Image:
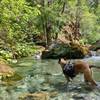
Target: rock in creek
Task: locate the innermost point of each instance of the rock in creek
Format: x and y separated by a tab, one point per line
71	50
35	96
6	71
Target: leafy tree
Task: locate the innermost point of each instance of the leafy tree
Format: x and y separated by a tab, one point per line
21	19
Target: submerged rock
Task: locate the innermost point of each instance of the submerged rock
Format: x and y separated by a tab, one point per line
35	96
39	95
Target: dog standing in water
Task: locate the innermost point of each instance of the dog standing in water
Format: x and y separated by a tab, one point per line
70	71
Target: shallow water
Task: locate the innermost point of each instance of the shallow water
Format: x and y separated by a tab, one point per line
46	76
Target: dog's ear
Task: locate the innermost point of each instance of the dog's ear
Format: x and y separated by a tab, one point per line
59	60
64	58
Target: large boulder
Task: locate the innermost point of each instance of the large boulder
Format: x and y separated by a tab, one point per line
69	50
5	69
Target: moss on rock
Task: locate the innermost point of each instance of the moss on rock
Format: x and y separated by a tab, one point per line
71	50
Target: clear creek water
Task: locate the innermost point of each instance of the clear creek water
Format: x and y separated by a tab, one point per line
46	76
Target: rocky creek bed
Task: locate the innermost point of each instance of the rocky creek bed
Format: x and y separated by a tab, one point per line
43	80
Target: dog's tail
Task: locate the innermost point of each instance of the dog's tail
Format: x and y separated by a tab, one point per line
94	66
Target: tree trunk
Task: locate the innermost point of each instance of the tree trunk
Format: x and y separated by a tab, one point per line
48	33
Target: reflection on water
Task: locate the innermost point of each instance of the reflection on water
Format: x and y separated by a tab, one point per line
46	75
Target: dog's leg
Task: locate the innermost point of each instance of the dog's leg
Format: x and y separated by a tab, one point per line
91	71
88	77
86	81
68	80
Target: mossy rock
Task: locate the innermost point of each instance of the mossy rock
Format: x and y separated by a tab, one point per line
70	51
6	71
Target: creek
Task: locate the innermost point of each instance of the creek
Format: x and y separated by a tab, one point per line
46	75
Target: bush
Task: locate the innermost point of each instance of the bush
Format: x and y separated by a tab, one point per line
18	51
24	50
6	54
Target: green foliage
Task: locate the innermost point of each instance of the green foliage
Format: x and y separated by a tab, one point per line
17	18
19	50
6	54
24	50
21	19
16	27
90	23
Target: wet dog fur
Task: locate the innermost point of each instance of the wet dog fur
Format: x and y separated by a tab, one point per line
80	67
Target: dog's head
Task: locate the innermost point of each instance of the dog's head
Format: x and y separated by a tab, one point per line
62	62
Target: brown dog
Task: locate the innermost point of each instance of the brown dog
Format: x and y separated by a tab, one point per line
78	67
